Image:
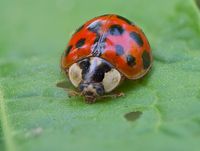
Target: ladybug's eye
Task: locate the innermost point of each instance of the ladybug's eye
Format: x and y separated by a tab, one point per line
100	90
75	75
111	80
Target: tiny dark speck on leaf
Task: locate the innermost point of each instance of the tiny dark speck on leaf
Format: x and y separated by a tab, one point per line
198	3
132	116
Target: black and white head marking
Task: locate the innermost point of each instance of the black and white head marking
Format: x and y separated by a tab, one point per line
94	76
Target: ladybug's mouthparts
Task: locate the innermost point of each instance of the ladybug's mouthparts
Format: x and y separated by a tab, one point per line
90	99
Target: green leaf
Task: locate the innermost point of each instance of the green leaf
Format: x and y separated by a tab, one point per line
159	112
2	142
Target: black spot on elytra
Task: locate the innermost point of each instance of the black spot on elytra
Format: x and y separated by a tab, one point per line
116	30
126	20
146	59
94	27
80	43
130	60
137	38
68	50
119	50
84	65
132	116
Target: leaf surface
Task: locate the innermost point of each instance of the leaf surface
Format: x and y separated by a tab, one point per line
159	112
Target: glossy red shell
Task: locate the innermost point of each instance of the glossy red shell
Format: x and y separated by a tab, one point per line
115	39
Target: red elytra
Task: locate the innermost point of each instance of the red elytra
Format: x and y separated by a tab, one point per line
115	39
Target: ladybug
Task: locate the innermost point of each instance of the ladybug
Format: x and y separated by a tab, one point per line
102	53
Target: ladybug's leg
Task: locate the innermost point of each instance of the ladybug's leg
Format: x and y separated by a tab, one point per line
115	95
72	93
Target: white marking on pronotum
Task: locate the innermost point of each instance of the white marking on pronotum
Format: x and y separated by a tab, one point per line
75	75
111	80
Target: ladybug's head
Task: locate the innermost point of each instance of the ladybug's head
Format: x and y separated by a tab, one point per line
91	90
94	77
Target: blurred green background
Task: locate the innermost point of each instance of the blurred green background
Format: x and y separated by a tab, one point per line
159	112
